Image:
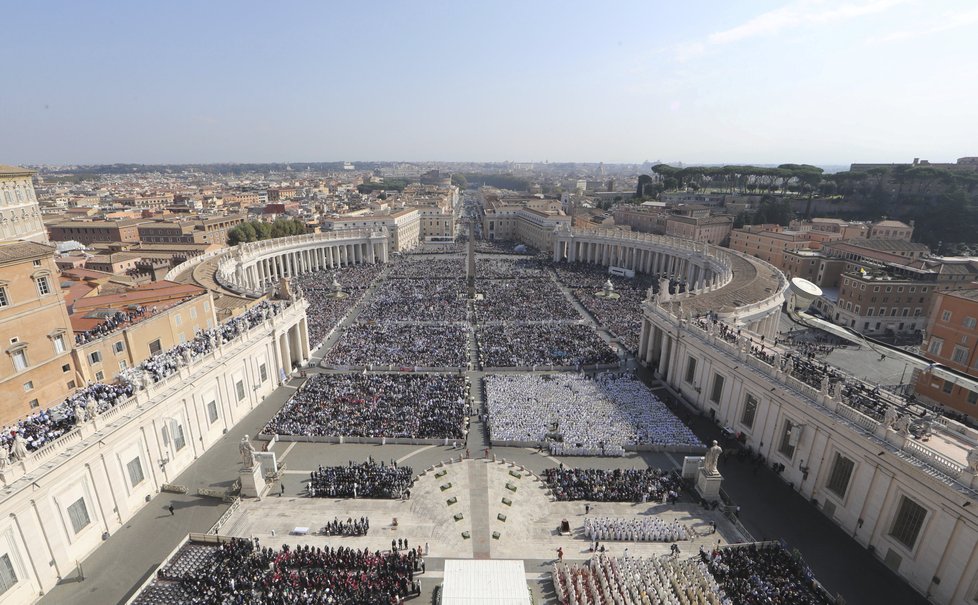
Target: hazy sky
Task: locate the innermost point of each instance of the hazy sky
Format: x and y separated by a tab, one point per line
819	81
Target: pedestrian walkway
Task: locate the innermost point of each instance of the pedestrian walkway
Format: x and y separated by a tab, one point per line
479	505
133	552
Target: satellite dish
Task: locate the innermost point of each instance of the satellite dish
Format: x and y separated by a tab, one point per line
805	292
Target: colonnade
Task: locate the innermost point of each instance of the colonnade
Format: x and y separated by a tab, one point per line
256	266
690	263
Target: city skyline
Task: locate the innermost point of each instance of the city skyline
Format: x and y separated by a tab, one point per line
820	82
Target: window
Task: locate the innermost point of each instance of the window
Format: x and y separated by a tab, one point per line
20	360
4	301
960	355
34	403
94	357
7	576
262	372
78	514
119	347
690	370
212	411
29	386
946	316
839	477
193	313
155	348
972	397
750	410
717	391
787	446
179	441
59	343
948	386
135	472
43	288
177	320
934	348
239	389
969	322
123	365
909	519
66	368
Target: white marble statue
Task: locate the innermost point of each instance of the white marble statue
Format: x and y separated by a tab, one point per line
187	357
902	424
889	416
711	459
80	415
825	384
4	457
973	460
247	453
19	448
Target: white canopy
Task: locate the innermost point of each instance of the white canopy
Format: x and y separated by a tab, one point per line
471	582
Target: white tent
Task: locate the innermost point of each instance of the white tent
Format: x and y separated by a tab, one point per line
471	582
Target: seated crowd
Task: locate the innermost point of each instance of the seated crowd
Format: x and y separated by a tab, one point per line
509	268
503	246
644	529
544	344
375	405
350	527
401	345
522	300
618	485
326	310
636	580
240	572
612	409
366	480
418	268
764	574
45	426
430	299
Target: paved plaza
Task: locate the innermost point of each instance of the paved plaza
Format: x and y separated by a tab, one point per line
478	486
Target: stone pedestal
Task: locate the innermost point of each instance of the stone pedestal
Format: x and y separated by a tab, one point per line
707	485
252	482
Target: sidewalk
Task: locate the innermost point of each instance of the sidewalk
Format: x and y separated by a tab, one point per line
770	510
131	554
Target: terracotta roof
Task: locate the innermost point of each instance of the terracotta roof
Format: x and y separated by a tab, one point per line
11	252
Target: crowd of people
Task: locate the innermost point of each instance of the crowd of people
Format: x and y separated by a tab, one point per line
165	364
116	321
424	268
637	581
417	406
542	344
418	299
618	485
401	345
41	428
240	572
645	529
764	574
350	527
509	268
365	480
503	246
325	308
610	409
509	300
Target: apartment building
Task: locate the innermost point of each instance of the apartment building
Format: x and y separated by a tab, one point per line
36	370
95	231
171	314
770	242
403	226
952	341
708	229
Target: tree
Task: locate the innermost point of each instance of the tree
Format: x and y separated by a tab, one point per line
645	183
671	183
459	180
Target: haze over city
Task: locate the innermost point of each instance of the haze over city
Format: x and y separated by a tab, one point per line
821	82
